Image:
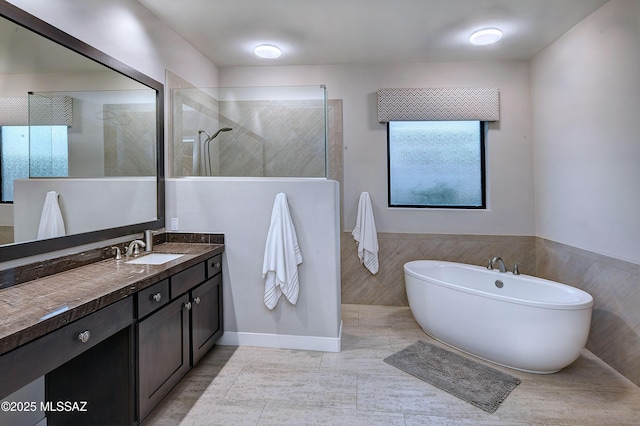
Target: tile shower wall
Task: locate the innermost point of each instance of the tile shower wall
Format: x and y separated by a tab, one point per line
128	143
273	138
614	284
615	287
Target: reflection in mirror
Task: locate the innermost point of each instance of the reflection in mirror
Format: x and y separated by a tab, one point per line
101	133
69	124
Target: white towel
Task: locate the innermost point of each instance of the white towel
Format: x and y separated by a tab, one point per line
51	222
281	256
365	234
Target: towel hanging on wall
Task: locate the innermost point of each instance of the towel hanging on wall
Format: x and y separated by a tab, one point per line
281	256
365	234
51	222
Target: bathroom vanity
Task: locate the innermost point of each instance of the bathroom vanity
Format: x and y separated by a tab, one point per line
178	321
111	338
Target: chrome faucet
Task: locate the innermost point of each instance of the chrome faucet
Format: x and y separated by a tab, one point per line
500	263
117	251
134	247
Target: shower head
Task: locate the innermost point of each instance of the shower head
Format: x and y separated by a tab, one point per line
209	137
206	145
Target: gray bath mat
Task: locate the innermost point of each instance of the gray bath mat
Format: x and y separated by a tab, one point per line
476	383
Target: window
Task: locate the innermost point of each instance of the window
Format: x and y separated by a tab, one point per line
436	164
31	151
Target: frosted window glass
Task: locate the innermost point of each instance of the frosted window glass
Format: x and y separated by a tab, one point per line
36	151
436	164
15	158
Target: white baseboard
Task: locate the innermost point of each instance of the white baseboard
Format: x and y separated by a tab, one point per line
282	341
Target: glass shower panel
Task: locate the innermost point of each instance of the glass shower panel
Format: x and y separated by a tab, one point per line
48	151
250	132
48	148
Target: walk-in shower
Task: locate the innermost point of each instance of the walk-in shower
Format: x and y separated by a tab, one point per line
277	131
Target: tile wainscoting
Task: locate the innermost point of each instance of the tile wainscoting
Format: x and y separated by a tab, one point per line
614	284
6	234
615	287
387	286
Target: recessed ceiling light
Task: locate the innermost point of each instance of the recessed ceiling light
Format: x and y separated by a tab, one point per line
485	36
267	51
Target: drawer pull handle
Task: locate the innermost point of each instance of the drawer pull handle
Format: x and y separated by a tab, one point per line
84	336
217	265
187	306
197	300
157	297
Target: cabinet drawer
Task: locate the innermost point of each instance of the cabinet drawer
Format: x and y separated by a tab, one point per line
214	266
152	298
28	362
100	324
187	279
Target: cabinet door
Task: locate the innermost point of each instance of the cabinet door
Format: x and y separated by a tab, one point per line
163	353
206	316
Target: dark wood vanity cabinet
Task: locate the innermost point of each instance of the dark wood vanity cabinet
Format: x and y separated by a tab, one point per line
118	362
163	353
177	331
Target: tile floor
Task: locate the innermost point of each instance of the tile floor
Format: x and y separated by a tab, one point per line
262	386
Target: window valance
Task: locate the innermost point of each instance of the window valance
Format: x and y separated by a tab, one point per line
45	111
439	104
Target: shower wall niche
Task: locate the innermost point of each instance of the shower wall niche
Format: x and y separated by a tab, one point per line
249	131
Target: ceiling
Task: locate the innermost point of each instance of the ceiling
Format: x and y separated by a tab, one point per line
313	32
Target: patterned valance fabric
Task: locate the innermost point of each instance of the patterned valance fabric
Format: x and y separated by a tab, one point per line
45	111
439	104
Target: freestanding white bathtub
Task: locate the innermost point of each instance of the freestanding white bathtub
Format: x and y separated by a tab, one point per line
517	321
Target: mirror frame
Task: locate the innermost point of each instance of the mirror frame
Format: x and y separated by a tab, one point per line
36	247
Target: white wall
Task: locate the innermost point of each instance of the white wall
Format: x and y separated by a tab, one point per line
241	210
510	189
586	107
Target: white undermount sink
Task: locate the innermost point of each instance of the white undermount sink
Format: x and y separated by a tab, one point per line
154	258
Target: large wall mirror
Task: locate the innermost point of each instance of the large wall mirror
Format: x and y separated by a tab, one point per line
78	124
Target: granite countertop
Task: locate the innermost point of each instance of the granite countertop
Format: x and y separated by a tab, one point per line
35	308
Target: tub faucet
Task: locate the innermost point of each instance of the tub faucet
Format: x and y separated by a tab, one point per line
133	248
516	270
500	263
